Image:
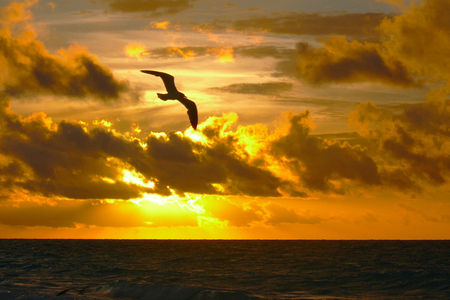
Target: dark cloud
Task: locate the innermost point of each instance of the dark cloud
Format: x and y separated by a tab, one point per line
157	7
420	38
360	25
28	67
341	61
69	214
412	146
401	56
67	162
176	165
317	162
65	159
263	51
268	88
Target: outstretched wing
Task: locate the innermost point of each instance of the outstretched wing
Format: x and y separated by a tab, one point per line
191	111
169	81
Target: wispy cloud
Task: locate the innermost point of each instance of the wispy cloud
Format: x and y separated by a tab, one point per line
157	7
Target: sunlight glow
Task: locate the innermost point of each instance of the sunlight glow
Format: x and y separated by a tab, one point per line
136	50
136	178
135	127
196	136
160	25
102	123
224	54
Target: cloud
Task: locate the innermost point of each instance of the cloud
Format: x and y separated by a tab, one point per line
136	50
236	215
264	51
254	213
221	54
58	213
156	7
268	88
341	61
359	25
318	162
403	4
65	159
411	50
420	39
28	67
412	147
281	215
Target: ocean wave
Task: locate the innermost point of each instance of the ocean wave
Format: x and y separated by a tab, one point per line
130	290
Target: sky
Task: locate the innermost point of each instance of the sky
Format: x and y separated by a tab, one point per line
317	119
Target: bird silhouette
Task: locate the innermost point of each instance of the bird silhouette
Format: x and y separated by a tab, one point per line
174	94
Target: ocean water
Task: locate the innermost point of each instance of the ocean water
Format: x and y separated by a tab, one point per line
171	269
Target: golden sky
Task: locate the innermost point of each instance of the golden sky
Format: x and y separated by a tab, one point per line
317	119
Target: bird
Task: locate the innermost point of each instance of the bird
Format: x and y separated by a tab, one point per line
174	94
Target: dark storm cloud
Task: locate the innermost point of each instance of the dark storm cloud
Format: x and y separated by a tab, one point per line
341	61
157	7
268	88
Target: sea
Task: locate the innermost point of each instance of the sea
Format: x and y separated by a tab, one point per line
223	269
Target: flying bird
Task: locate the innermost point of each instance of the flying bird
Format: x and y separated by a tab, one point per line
174	94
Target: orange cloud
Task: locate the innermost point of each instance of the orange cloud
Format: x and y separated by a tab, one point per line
28	67
358	25
344	61
224	54
420	38
135	50
160	25
412	49
185	53
155	7
418	140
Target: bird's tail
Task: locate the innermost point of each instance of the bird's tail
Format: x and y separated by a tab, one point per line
163	97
